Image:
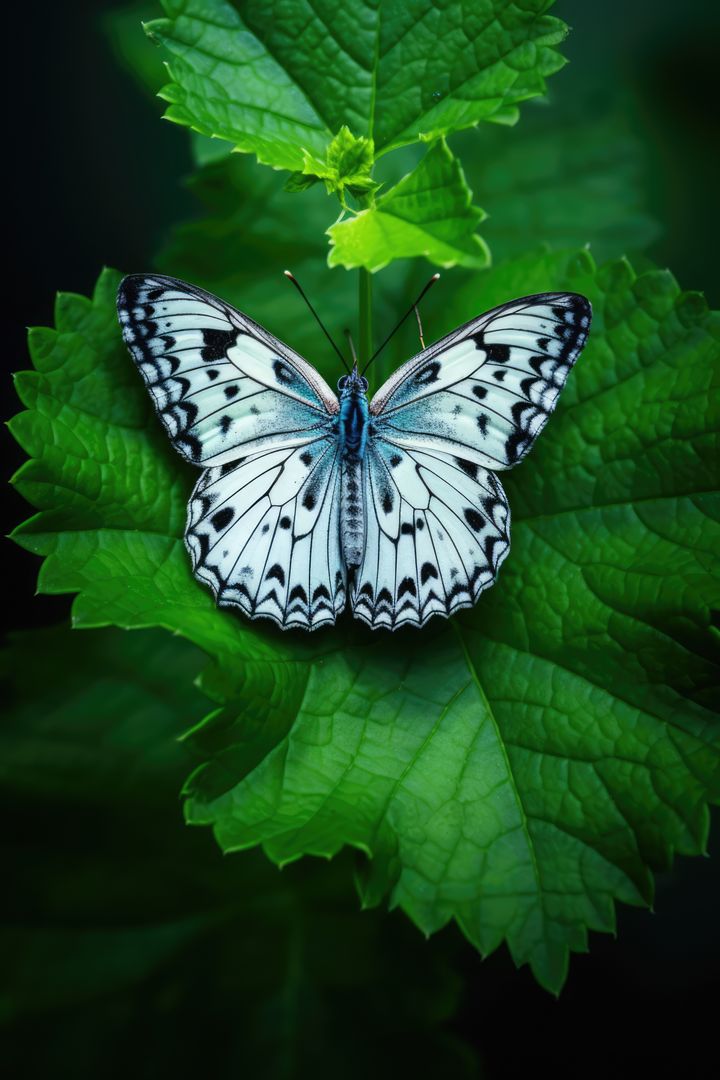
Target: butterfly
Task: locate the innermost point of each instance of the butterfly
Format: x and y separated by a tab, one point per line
308	498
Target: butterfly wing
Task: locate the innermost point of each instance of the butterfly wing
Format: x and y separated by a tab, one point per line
263	521
264	534
218	380
437	529
485	391
437	516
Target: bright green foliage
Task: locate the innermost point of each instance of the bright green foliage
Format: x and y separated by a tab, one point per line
347	165
518	768
429	212
279	79
118	913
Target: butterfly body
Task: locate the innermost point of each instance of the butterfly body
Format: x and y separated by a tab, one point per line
353	429
308	499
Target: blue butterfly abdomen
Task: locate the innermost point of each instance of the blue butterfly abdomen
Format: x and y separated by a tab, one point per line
353	429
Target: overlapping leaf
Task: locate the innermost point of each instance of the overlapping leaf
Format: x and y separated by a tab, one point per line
282	79
428	213
519	768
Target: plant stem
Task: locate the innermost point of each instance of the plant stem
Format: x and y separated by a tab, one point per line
365	344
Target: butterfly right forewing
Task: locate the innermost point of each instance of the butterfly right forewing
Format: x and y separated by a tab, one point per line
485	391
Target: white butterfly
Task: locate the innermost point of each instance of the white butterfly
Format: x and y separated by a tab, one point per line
305	496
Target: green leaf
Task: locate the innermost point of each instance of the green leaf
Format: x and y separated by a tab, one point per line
563	179
281	80
517	769
118	913
347	164
429	213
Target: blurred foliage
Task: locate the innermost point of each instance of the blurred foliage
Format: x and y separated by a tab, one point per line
121	923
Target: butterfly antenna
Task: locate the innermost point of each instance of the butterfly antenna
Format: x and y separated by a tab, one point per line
420	329
351	345
296	283
413	307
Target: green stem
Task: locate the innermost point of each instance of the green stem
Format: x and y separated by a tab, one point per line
365	343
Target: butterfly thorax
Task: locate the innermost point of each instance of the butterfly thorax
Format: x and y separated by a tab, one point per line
353	424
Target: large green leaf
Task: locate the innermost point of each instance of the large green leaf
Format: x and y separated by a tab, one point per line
518	768
118	914
277	80
429	213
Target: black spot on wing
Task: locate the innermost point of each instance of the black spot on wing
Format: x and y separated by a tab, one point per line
498	354
216	344
407	585
231	391
225	422
427	375
222	518
285	522
276	571
428	571
468	467
298	593
474	520
283	373
490	542
192	445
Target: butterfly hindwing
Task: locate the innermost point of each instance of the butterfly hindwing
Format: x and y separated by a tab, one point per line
218	380
437	530
263	533
485	391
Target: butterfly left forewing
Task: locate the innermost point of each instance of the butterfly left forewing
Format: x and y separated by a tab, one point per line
486	391
217	379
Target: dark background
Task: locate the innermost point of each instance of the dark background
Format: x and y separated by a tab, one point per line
93	177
